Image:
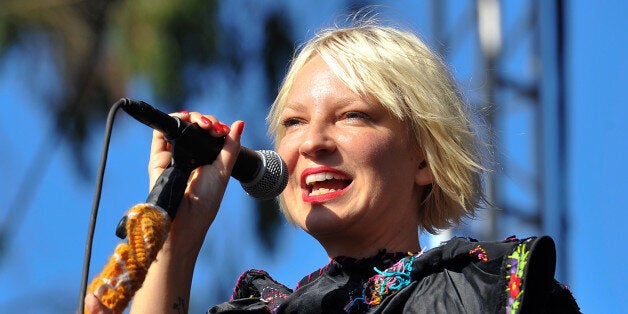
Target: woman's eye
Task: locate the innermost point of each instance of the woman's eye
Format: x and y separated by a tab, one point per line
290	122
357	115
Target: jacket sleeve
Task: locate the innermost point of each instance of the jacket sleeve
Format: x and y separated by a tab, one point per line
531	287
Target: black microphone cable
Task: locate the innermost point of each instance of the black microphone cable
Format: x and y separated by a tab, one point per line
96	202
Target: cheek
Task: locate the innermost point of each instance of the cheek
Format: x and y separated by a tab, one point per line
287	149
289	152
375	150
388	158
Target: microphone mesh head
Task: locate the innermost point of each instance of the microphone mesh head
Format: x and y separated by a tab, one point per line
271	180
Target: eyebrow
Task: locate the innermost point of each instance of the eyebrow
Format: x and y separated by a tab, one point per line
344	101
296	106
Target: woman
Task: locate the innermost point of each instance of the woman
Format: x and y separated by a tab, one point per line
379	147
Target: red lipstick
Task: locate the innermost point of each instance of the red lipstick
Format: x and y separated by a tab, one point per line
339	182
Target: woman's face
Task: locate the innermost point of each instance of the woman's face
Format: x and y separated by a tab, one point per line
353	169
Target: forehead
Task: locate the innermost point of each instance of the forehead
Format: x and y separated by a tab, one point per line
318	73
316	81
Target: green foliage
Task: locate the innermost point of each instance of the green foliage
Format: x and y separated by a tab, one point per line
160	39
101	45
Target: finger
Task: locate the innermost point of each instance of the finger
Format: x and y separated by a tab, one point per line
159	142
227	157
160	155
203	178
159	159
214	126
94	306
225	160
206	122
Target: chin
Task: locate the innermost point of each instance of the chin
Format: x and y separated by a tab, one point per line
321	221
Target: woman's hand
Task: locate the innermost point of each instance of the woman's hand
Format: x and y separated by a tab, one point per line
206	185
160	154
168	281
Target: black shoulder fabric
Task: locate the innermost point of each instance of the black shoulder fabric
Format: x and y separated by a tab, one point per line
538	274
531	285
460	276
240	306
253	283
561	300
514	276
255	292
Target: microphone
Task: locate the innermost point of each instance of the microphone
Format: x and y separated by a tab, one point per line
262	174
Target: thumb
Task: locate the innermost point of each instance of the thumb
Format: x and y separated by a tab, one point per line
231	148
94	306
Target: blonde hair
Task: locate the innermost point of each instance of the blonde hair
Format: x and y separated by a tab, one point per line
398	69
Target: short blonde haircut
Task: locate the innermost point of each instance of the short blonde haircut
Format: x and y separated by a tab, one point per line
398	69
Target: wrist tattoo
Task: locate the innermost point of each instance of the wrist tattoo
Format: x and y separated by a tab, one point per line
179	305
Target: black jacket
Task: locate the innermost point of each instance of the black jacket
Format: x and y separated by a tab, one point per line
460	276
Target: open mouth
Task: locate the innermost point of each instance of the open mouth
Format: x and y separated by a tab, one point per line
323	183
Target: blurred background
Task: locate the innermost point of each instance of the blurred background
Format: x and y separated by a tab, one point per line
547	80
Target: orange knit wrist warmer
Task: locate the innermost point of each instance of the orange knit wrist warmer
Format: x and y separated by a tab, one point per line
147	227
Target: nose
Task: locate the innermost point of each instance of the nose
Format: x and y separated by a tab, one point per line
317	141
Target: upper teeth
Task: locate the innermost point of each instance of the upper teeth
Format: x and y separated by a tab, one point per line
322	176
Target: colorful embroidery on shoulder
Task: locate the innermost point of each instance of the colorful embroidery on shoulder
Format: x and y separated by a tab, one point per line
516	265
385	283
479	253
273	298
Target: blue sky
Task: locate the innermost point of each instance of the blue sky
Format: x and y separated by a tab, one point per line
41	268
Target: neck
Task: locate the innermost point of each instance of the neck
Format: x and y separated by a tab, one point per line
361	246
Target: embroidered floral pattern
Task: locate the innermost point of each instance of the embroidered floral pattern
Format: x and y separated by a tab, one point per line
516	265
385	283
479	253
272	298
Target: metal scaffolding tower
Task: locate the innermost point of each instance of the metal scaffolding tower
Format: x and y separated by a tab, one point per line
509	56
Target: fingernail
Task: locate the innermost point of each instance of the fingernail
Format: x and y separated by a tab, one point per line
206	121
240	128
225	128
184	112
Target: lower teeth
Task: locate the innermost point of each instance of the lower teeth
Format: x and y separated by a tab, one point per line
321	192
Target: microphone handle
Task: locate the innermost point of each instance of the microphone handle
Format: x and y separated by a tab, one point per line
192	147
195	147
168	190
247	166
170	126
192	141
167	194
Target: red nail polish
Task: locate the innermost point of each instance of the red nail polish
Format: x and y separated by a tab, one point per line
206	121
225	129
240	128
184	112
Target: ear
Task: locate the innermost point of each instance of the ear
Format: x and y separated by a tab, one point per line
424	174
